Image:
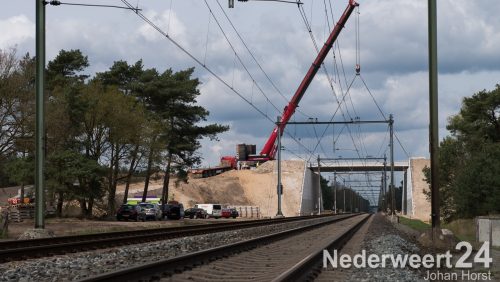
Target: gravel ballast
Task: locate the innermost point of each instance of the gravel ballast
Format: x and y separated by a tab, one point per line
382	238
77	266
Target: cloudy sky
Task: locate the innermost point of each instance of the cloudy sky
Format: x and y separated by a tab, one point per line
393	57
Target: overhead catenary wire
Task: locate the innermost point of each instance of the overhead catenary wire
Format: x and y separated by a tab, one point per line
316	135
281	1
57	3
358	58
222	80
323	67
331	119
239	58
169	16
198	61
386	134
253	80
206	41
254	58
383	115
337	45
311	35
358	61
154	26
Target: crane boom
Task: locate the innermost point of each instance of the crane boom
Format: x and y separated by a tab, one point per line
269	149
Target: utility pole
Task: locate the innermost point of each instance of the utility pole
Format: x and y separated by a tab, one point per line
343	207
319	186
384	180
279	186
351	196
40	105
405	192
335	192
354	201
380	197
433	113
393	194
359	202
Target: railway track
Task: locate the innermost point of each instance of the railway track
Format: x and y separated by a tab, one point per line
291	255
25	249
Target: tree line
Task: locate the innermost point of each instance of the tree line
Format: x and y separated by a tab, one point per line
101	130
469	159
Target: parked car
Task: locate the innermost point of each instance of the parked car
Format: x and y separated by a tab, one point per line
149	211
234	213
195	213
126	212
213	210
225	213
173	210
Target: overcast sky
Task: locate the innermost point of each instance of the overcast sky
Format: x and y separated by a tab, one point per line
393	52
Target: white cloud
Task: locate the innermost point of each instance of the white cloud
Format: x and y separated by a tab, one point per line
167	21
16	30
393	56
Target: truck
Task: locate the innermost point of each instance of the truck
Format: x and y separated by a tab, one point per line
213	210
226	163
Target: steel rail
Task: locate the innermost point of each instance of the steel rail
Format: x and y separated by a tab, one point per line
149	271
23	249
306	269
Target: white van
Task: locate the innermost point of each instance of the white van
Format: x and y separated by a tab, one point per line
213	210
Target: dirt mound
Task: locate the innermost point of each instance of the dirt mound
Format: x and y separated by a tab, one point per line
255	187
223	189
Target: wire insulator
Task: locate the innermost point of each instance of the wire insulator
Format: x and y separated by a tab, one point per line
358	69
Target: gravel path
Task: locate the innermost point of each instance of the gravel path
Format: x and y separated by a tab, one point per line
80	265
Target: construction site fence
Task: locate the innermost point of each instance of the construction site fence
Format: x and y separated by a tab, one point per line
248	211
17	213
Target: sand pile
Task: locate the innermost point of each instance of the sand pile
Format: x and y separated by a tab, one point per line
255	187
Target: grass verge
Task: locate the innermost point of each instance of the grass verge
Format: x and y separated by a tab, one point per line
463	229
415	224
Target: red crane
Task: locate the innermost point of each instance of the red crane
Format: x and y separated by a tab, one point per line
269	150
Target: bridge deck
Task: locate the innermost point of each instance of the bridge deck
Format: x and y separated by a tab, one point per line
345	166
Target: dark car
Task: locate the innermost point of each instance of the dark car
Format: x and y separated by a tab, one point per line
195	213
234	213
173	210
126	212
